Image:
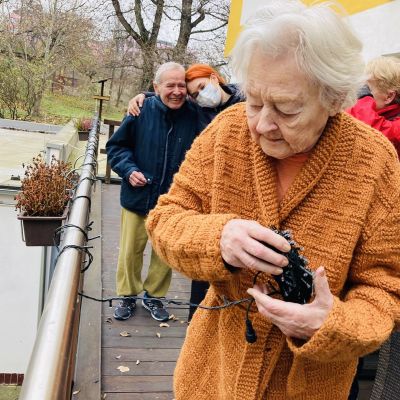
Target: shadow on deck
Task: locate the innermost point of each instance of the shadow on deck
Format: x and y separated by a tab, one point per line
150	351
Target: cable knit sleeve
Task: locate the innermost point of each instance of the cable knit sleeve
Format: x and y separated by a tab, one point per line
182	229
364	318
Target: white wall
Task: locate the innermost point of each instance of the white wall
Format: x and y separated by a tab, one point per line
20	291
379	29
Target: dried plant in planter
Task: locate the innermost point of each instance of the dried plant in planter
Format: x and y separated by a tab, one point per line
46	188
83	124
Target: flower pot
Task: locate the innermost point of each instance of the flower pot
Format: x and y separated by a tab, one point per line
83	135
39	231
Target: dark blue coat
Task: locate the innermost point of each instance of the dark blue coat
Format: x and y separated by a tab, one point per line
155	144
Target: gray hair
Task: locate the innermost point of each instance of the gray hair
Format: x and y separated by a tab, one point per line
168	66
325	47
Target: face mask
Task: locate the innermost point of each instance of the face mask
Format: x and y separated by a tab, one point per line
210	96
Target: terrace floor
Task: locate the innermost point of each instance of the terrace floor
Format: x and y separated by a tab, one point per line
150	351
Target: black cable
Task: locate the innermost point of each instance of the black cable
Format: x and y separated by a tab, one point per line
84	197
250	334
167	301
61	229
84	179
84	249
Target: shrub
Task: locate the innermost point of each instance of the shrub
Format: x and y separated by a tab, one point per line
46	188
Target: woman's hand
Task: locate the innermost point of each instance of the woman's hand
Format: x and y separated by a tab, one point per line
241	247
299	321
136	104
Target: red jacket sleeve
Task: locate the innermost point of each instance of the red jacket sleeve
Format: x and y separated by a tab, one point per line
365	110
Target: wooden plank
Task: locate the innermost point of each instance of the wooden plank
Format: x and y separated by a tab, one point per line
137	384
149	368
142	342
112	122
140	396
98	97
163	355
144	331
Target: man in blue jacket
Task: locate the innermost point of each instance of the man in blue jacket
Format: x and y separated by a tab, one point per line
145	152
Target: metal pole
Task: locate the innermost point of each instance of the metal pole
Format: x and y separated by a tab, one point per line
47	374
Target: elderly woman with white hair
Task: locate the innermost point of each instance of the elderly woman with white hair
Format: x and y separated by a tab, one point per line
287	164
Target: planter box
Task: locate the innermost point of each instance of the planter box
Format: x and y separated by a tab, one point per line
39	231
83	135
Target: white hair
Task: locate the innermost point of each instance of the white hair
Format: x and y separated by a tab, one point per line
168	66
324	46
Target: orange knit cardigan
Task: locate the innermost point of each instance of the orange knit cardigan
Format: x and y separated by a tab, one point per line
343	208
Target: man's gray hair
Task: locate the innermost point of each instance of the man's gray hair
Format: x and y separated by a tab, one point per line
168	66
324	45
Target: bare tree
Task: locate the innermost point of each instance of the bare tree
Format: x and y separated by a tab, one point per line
147	18
43	37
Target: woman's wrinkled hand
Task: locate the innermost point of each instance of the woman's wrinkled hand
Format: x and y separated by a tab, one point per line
299	321
240	246
135	104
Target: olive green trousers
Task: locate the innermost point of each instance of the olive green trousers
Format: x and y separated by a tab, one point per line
133	239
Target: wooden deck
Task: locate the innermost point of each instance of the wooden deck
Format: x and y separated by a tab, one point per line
151	359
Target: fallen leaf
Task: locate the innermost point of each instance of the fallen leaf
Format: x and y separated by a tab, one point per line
158	334
171	316
76	392
118	357
182	322
125	334
137	362
123	369
164	325
109	320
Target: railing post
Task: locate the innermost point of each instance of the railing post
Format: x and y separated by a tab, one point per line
111	126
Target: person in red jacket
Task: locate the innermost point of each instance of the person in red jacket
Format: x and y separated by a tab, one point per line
381	107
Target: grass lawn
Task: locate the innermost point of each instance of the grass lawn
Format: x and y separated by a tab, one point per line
9	392
59	109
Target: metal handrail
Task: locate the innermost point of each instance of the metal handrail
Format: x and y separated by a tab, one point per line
51	366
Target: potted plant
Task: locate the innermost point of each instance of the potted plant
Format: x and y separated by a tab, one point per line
43	200
83	125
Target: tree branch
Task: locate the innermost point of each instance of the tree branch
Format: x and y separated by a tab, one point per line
139	20
125	23
157	22
211	29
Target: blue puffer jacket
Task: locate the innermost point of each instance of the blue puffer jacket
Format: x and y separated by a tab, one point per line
154	143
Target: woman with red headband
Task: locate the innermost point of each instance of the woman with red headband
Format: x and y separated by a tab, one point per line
206	87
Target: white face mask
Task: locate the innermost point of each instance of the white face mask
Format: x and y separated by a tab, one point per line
210	96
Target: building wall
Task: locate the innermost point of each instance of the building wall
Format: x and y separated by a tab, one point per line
21	289
376	22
